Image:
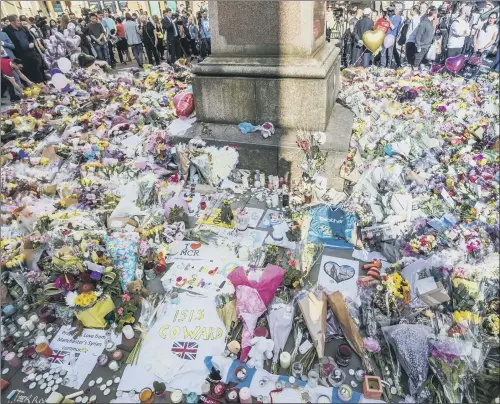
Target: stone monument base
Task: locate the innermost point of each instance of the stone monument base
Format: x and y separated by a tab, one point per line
279	154
288	91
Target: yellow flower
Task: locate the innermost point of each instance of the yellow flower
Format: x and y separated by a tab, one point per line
466	316
84	299
44	161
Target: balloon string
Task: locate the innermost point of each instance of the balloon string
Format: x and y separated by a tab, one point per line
356	62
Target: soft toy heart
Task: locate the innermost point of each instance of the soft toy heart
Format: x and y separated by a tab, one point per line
373	39
454	64
339	273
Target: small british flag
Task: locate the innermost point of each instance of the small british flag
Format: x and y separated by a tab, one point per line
185	350
58	357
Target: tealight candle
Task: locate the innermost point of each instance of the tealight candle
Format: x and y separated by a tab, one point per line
41	326
102	360
29	325
285	360
177	397
245	396
21	320
114	366
34	318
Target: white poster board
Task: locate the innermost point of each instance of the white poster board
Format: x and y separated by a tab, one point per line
339	274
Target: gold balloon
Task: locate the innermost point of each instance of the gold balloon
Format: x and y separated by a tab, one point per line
373	39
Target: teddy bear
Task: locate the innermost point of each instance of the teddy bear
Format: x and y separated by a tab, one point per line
262	349
137	290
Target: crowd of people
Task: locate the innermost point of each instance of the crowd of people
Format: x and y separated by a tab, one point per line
103	35
423	34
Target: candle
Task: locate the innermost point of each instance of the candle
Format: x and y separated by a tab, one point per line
147	396
102	360
44	350
345	393
29	325
245	396
285	360
46	314
13	360
218	390
41	326
34	318
128	331
117	355
21	320
275	200
205	387
177	397
30	352
9	310
114	366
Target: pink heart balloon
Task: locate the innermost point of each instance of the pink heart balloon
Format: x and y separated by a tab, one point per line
436	68
454	64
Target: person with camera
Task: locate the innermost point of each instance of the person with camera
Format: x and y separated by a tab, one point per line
395	21
359	50
424	35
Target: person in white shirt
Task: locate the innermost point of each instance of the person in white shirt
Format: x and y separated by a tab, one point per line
487	36
458	32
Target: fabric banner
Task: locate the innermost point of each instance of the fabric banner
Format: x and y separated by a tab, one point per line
333	228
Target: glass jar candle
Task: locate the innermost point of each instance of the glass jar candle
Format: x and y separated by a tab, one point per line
343	356
44	350
312	379
102	360
177	397
117	355
147	396
114	366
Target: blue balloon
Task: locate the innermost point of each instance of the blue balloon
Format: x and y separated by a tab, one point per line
246	127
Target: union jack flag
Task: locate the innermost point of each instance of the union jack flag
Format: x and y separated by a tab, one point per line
185	350
58	357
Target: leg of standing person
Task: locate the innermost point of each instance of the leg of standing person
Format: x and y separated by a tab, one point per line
209	44
156	56
396	57
367	57
177	47
383	57
453	52
496	62
7	85
120	54
100	51
149	53
419	56
411	50
172	52
140	54
111	53
107	55
390	56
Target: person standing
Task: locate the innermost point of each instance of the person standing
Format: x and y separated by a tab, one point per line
110	56
133	38
413	23
7	45
149	39
194	32
459	30
25	50
487	36
159	36
173	43
98	35
205	35
122	45
424	35
363	25
395	24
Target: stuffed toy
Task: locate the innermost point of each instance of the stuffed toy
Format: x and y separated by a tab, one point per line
262	349
137	290
226	213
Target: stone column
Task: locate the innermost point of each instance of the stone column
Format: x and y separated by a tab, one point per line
270	62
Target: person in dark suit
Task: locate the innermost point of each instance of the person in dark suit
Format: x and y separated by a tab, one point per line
173	42
25	49
363	25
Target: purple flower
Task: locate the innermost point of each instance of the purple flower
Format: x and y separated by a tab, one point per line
96	276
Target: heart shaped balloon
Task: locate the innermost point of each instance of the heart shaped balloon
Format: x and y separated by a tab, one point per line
373	39
383	25
455	63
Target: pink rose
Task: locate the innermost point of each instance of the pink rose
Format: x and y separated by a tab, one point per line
125	298
371	344
120	311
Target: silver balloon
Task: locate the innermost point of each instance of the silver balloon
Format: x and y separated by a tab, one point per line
71	26
66	32
59	36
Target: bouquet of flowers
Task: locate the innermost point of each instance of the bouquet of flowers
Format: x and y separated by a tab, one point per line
445	362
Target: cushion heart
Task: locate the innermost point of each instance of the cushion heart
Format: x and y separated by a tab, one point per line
373	39
195	246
